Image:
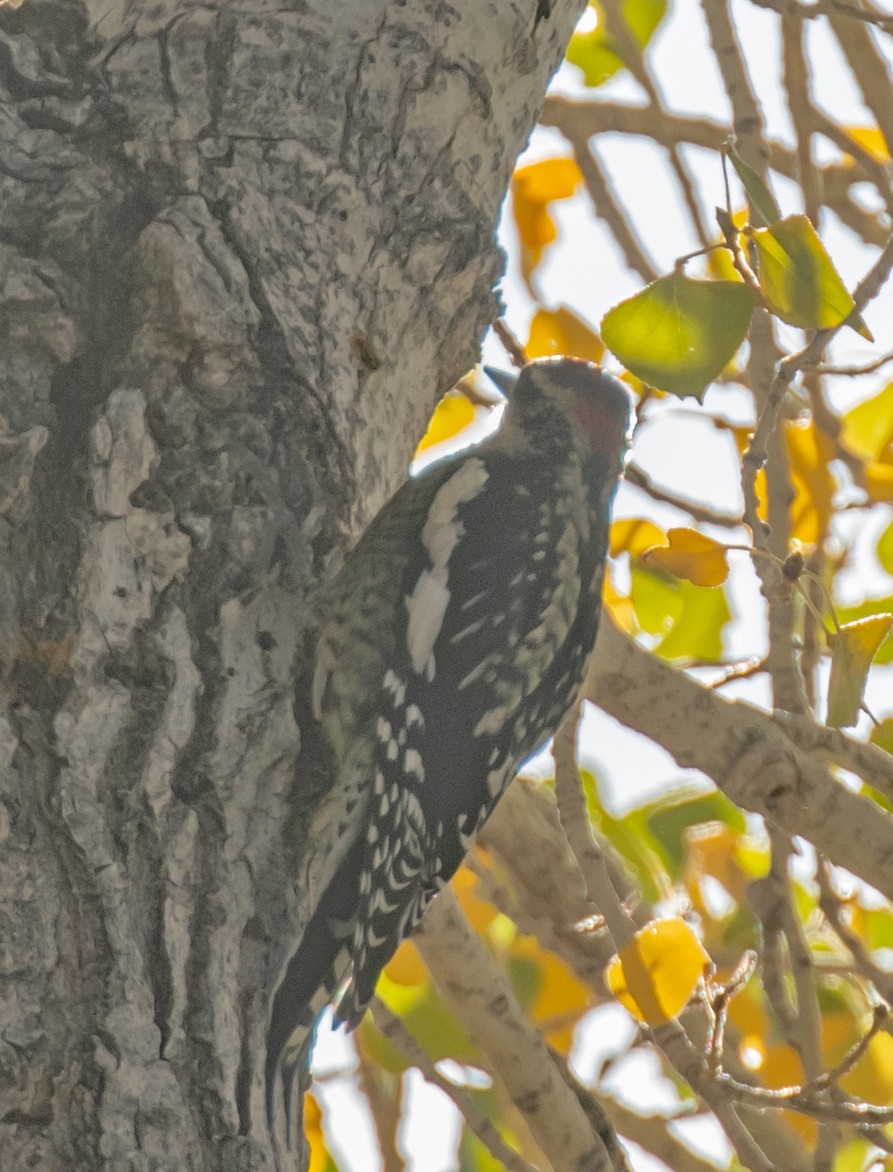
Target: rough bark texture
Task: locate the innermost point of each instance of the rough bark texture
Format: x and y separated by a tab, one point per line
242	250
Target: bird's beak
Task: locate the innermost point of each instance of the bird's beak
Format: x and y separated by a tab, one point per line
503	379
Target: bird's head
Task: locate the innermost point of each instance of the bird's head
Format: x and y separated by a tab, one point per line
556	404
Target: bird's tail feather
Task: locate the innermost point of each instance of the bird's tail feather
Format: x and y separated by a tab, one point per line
311	979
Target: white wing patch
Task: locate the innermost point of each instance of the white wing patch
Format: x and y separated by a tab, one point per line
325	663
426	605
442	530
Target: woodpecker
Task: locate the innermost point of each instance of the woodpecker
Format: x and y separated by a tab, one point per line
452	642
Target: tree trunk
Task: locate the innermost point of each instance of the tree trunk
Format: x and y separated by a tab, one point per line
242	253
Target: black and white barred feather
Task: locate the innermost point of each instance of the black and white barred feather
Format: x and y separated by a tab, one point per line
452	642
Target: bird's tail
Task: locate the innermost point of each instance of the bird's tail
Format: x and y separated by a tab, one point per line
311	979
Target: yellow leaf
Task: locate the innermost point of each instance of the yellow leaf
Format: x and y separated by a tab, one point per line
872	1076
782	1067
560	331
320	1158
878	481
711	852
868	427
870	139
655	974
452	414
480	913
634	535
855	646
810	453
691	555
406	966
560	999
620	606
534	187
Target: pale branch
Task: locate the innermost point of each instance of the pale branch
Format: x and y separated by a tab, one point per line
384	1108
479	993
869	69
400	1037
671	1038
579	120
816	1104
595	1109
578	831
690	1063
744	752
747	116
800	107
824	8
813	634
862	960
851	371
631	52
873	765
808	1042
608	208
788	691
652	1133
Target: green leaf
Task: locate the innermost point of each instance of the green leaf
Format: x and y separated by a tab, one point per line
762	202
868	427
697	633
596	53
679	333
631	838
690	619
864	610
656	599
474	1156
852	653
799	280
882	735
525	978
672	816
879	925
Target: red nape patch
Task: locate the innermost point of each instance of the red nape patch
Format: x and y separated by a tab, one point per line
604	414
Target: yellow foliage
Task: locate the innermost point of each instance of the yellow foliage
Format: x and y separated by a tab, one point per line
870	139
872	1076
480	913
634	535
534	187
691	555
406	966
561	331
711	851
452	415
655	974
868	427
810	453
320	1158
619	606
561	998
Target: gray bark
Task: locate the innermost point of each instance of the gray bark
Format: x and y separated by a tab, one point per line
242	251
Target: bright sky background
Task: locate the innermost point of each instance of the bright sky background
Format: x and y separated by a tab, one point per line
591	276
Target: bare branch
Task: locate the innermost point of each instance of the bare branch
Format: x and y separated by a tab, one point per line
472	985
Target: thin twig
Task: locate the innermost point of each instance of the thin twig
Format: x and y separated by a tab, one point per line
637	475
